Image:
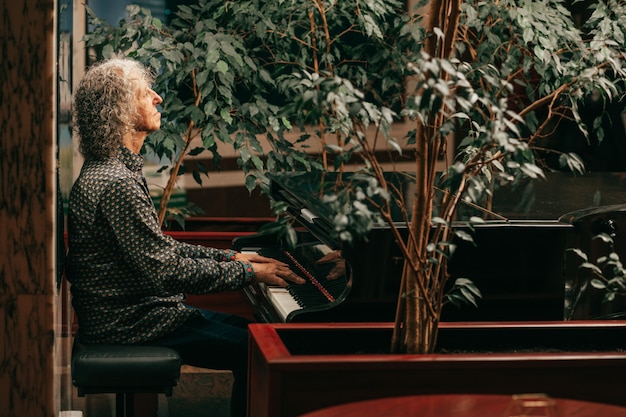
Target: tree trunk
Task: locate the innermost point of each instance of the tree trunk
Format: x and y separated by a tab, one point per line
420	298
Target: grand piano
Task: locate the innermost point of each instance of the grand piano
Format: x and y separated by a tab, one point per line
519	261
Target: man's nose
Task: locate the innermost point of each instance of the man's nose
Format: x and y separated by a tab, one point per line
157	98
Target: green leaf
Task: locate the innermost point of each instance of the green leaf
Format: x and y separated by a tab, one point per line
107	50
196	177
251	182
463	235
604	237
291	237
225	115
582	255
598	284
244	154
258	163
591	267
222	66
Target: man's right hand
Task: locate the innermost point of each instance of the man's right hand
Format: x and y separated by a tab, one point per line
273	272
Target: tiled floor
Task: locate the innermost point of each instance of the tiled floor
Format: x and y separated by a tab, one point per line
201	393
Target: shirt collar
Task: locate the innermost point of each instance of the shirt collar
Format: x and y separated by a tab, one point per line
132	161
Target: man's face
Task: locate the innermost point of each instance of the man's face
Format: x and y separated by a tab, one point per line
148	116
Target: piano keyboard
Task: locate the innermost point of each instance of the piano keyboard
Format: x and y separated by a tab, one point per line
317	292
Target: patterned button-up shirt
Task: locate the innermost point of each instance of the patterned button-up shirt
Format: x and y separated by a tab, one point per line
127	277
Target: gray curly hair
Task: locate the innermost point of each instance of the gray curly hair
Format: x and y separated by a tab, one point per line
105	105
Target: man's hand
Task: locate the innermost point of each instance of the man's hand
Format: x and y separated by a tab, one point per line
338	269
270	271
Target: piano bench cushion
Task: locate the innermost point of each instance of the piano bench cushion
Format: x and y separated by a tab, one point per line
124	368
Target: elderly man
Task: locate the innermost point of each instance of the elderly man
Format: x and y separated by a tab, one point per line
128	278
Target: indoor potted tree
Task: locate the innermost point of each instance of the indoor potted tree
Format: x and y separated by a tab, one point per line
493	80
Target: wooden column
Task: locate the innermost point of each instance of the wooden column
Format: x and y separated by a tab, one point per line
27	208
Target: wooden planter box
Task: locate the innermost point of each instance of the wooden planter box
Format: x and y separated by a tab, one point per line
298	368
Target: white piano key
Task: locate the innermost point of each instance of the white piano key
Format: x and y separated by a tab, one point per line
283	301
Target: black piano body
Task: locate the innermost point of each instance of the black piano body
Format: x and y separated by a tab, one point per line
520	264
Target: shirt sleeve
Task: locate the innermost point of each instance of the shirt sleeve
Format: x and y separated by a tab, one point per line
188	250
173	266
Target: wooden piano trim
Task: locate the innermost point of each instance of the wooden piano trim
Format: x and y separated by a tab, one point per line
219	240
282	384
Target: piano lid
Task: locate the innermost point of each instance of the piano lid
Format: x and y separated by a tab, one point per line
304	192
548	199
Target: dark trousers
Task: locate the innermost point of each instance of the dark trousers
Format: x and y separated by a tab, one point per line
215	341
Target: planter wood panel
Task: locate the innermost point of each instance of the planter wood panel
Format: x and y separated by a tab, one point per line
298	368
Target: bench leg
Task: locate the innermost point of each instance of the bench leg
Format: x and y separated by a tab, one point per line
136	405
124	405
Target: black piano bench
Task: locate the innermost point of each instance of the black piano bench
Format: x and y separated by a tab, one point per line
124	370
